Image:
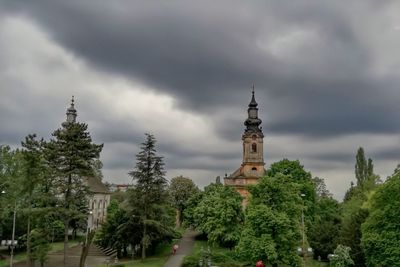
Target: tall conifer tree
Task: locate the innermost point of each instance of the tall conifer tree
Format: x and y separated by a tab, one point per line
70	157
150	188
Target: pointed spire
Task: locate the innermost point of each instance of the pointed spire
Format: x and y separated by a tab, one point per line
252	123
253	102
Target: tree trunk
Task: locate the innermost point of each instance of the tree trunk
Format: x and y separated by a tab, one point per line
66	222
29	261
144	241
86	247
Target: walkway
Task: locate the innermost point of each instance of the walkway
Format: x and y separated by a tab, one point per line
185	247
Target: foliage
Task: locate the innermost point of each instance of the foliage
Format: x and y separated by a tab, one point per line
272	230
363	168
324	232
112	233
180	190
354	208
320	188
32	175
148	197
380	232
341	257
219	214
296	174
40	245
189	212
70	157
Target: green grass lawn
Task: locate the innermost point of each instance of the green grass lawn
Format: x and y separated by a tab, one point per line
161	254
21	256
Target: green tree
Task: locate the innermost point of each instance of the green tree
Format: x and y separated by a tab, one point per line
272	224
190	209
149	192
180	190
40	245
354	212
380	231
295	173
70	157
32	174
363	168
11	165
341	257
324	232
219	214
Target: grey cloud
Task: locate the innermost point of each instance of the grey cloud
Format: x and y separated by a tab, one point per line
207	58
206	54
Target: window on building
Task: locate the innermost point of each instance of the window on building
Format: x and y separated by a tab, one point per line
254	169
93	204
100	204
254	148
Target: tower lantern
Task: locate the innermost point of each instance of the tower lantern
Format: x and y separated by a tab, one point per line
71	113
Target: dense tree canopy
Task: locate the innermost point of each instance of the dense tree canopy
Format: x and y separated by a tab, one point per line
272	224
380	232
219	214
323	234
180	190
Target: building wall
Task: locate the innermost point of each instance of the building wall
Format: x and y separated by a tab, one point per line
98	204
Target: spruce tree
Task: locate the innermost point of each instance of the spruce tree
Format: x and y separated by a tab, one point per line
149	191
70	155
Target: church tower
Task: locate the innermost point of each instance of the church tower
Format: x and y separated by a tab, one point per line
71	113
252	167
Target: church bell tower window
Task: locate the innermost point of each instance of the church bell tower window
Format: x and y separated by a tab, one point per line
254	148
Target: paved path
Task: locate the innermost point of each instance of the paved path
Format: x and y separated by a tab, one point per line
185	247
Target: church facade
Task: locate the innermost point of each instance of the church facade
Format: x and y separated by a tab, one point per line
252	167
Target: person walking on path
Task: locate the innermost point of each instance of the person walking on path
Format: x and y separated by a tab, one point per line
185	246
260	263
174	249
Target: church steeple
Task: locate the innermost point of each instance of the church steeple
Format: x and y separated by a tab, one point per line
252	123
71	113
252	167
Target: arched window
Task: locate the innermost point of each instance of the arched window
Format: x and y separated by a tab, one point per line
254	137
254	169
100	204
254	147
93	204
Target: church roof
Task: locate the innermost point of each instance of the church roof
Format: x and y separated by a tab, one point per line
253	103
96	185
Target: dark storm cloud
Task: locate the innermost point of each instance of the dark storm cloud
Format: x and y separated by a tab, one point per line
207	54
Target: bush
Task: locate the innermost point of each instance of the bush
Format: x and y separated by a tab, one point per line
219	257
229	264
190	261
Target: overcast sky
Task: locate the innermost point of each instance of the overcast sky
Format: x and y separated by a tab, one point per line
326	73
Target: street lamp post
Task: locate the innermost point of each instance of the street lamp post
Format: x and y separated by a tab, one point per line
13	234
89	225
13	243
